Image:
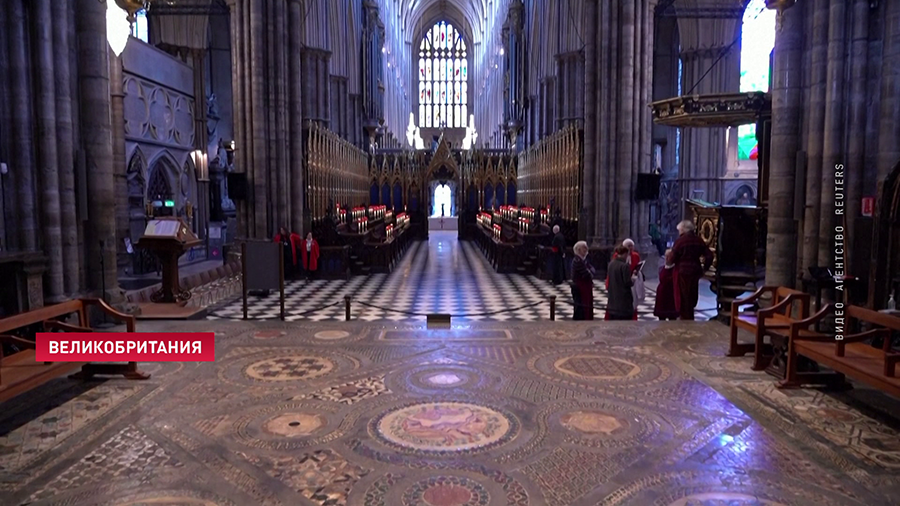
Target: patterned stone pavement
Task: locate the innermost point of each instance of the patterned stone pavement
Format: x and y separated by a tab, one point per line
564	413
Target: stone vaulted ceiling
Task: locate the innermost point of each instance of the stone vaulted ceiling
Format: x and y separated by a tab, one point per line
418	13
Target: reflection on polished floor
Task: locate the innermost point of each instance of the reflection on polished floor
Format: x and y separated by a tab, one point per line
542	413
441	275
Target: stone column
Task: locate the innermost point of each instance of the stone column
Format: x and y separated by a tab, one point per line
833	150
602	167
259	178
120	164
298	187
5	122
625	179
93	76
591	132
65	152
48	164
856	128
22	167
781	241
201	142
816	141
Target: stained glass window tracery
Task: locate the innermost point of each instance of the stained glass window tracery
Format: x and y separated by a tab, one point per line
443	70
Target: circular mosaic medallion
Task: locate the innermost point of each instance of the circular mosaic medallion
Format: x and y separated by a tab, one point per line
290	368
446	491
600	367
294	424
597	367
287	426
265	335
169	501
724	499
593	422
445	427
443	379
607	425
331	335
562	335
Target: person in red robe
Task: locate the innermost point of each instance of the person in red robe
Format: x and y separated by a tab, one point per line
582	283
635	259
687	253
309	252
289	242
665	308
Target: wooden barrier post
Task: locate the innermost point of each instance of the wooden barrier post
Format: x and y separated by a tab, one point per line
553	308
346	308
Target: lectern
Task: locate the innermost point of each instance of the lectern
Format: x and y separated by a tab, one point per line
169	238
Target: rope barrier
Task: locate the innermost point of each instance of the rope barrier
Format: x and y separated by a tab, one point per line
464	315
304	313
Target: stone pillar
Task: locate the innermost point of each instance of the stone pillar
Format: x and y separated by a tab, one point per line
93	76
298	187
625	178
48	164
21	166
5	122
856	127
120	163
591	132
816	141
259	178
781	241
65	152
833	149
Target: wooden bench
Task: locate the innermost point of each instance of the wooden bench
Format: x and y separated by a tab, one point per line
20	372
850	356
777	316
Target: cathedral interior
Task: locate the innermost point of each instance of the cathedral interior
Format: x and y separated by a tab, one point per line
396	217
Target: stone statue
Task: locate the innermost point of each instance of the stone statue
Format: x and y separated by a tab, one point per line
212	106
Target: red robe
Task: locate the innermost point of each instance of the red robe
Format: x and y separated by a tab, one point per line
311	260
295	240
665	306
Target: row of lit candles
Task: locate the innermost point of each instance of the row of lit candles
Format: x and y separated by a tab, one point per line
524	223
497	232
377	212
527	212
545	215
389	232
485	219
363	224
358	212
402	220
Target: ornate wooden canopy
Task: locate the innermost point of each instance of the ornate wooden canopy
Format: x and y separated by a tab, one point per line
443	166
713	110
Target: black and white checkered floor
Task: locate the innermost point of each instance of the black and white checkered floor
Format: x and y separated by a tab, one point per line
443	275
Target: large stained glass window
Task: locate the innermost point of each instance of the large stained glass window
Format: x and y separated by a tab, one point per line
758	32
443	75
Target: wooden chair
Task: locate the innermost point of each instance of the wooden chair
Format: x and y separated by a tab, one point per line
776	316
849	356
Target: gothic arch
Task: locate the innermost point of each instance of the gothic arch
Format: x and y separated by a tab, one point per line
885	263
162	178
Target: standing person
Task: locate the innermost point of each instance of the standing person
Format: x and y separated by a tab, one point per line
621	301
558	246
289	242
582	283
310	254
665	308
633	259
687	254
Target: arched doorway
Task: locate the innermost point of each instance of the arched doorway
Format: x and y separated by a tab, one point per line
443	206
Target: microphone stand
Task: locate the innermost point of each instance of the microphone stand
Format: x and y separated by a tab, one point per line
102	273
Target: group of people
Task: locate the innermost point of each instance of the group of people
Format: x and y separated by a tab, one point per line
679	278
294	246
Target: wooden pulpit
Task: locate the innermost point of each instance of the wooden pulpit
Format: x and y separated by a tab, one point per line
169	238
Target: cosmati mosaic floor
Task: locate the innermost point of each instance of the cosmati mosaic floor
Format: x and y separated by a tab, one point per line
564	413
441	275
